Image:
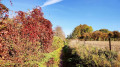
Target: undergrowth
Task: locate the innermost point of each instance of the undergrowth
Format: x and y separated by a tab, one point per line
87	56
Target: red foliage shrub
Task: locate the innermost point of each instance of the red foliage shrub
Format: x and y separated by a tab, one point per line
35	27
3	12
20	36
23	36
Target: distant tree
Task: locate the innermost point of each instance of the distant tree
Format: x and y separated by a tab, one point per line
104	36
69	36
111	35
86	36
80	30
59	32
97	35
104	30
116	35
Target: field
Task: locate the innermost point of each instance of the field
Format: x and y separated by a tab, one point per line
99	44
90	54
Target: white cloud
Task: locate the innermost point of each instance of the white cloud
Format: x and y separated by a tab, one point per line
50	2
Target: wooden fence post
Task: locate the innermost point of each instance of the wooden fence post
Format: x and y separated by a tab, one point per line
109	43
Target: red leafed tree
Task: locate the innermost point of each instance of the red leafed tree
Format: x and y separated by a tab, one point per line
3	28
35	27
22	35
3	12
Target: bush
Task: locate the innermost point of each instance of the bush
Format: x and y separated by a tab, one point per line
25	39
57	42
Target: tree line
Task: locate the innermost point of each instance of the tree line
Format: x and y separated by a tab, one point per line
85	32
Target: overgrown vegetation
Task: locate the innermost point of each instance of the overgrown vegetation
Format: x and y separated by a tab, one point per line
24	40
87	56
32	55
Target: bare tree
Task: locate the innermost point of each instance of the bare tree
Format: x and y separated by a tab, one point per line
59	32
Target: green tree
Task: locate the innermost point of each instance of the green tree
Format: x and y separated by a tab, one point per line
80	30
69	36
104	30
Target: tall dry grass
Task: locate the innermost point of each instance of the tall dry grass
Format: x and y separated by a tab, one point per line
92	54
99	44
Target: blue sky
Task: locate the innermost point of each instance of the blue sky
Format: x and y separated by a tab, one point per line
70	13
